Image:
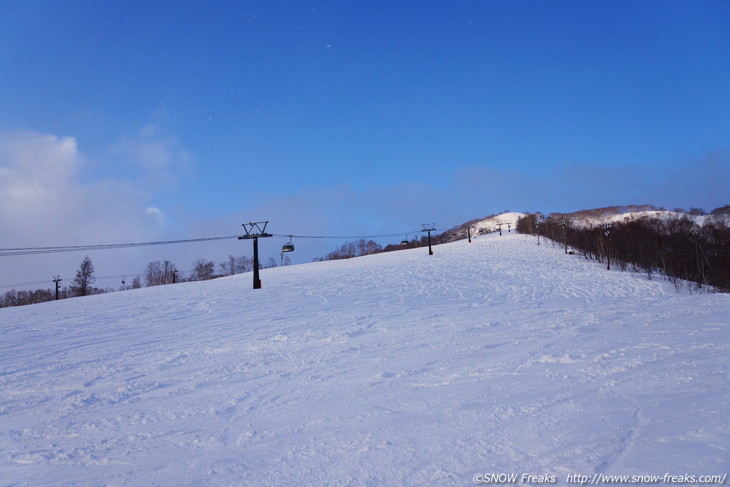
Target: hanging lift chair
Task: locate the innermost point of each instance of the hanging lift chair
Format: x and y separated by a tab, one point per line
288	247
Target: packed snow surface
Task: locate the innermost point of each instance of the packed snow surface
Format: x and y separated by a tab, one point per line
496	357
492	223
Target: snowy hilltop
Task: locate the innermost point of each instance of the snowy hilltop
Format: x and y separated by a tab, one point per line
495	358
507	222
492	224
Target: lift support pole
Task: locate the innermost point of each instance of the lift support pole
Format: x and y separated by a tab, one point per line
254	231
57	279
429	227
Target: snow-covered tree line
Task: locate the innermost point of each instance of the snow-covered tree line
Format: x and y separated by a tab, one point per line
675	247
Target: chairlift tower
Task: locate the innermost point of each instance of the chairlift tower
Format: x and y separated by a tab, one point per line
57	280
254	231
429	227
607	233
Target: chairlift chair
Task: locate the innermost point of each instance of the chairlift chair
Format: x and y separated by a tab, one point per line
288	247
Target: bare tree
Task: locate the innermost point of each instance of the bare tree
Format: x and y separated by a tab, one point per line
236	265
202	270
154	275
353	249
161	272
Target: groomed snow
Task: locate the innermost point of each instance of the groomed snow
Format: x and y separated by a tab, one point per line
499	356
491	224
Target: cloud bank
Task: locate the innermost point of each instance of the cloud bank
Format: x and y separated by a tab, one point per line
49	196
44	197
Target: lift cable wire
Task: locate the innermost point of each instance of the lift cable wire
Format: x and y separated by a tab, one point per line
80	248
25	284
343	237
6	252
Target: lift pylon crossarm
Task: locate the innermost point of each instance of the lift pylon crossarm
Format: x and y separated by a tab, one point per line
260	235
254	230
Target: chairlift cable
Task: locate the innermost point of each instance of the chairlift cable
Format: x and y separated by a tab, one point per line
18	251
342	237
77	248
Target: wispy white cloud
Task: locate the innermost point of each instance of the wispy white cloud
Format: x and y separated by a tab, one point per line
157	157
47	198
35	172
44	198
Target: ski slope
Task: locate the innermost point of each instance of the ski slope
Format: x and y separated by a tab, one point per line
491	224
496	357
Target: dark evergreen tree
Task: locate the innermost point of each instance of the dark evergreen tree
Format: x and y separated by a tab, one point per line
82	283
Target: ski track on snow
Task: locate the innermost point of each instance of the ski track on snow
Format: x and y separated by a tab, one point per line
395	369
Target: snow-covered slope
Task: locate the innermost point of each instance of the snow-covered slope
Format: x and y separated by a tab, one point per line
499	356
490	224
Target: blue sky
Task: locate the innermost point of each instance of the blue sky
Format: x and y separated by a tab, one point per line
183	119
